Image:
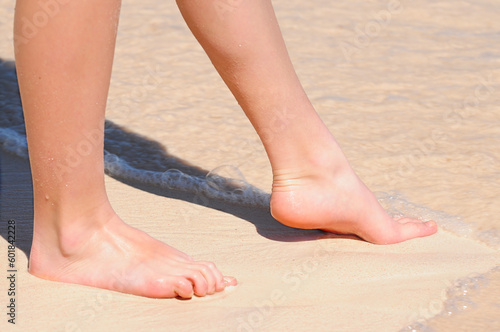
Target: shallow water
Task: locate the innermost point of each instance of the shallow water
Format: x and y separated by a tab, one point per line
411	94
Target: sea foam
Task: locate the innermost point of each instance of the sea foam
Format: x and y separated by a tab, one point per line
133	157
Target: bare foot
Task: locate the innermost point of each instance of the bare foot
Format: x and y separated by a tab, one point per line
325	193
119	257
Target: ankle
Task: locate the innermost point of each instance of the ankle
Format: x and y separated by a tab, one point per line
66	234
319	160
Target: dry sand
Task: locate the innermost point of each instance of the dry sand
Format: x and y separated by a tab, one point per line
399	104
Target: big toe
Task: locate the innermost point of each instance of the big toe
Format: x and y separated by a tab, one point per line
409	229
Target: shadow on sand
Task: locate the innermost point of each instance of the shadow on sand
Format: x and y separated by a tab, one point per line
138	151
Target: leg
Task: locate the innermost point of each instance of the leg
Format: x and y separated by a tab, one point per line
314	185
64	73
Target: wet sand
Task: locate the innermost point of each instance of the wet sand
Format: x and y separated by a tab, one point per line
289	279
414	103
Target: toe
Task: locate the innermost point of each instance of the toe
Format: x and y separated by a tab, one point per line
169	287
183	288
200	284
412	229
210	273
230	281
